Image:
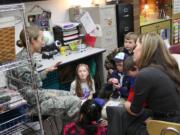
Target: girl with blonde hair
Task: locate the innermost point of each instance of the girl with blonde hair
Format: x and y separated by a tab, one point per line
83	86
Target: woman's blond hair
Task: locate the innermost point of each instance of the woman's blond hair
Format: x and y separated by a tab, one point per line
32	32
155	53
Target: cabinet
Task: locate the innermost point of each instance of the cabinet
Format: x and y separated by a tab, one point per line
14	109
125	21
161	27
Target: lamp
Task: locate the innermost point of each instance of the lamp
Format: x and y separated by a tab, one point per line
146	7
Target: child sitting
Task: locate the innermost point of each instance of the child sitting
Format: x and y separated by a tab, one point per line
132	70
118	81
83	86
129	45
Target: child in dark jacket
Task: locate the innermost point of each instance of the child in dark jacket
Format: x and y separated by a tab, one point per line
119	82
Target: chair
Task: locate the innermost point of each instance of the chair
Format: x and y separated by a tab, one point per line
156	127
175	49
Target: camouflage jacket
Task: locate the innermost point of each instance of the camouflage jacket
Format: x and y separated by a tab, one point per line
24	72
52	102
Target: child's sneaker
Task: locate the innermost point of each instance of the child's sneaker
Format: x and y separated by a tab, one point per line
115	94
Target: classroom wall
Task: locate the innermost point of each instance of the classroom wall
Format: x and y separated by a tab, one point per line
59	8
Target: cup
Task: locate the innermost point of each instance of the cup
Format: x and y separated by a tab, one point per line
62	50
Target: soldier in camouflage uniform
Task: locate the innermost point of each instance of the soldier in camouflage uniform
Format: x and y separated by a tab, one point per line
51	101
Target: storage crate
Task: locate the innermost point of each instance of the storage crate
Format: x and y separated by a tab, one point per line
13	117
7	44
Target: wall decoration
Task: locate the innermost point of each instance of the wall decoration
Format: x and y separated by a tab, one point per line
40	18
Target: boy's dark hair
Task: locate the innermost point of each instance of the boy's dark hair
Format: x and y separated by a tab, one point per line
91	111
131	36
129	64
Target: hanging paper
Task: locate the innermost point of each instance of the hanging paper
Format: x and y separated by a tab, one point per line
88	23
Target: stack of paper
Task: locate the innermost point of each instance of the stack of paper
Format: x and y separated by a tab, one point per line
70	32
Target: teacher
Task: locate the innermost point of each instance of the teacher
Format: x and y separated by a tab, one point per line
157	84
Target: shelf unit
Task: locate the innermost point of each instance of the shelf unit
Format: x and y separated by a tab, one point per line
14	119
175	22
160	26
172	12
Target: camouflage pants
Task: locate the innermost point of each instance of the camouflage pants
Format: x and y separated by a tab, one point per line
53	102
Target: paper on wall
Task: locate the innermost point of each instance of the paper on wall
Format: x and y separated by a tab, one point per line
3	79
176	5
88	23
97	32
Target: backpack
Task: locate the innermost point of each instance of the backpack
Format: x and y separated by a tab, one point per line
73	129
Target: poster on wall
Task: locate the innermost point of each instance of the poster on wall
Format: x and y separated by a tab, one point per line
176	6
176	31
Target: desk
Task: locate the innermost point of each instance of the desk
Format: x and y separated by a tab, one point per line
74	56
69	58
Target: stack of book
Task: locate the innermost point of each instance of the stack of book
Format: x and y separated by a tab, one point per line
67	33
